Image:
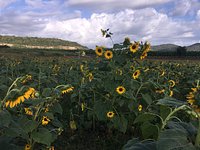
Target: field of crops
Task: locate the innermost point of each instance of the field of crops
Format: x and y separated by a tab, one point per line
117	100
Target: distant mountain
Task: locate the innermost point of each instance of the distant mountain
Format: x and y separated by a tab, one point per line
164	47
173	47
39	43
194	47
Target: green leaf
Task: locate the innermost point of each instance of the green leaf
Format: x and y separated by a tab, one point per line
43	136
135	144
6	144
29	126
164	111
147	98
57	108
46	92
169	101
173	139
101	109
120	123
149	130
146	117
5	118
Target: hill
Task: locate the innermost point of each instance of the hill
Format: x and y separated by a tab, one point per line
164	47
39	43
173	47
194	47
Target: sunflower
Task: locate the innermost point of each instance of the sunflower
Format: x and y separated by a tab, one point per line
140	107
162	73
99	51
67	90
194	90
160	91
72	125
136	74
147	47
28	111
171	83
83	105
45	120
120	90
18	100
134	47
144	54
30	93
81	68
90	76
171	93
27	147
110	114
108	54
191	101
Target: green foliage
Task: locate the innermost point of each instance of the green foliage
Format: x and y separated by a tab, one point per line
120	92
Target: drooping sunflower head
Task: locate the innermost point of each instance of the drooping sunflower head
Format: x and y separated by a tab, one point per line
68	90
99	51
144	55
134	47
120	90
45	120
136	74
108	54
171	83
110	114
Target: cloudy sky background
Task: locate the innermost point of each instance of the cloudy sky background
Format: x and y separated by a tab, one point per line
158	21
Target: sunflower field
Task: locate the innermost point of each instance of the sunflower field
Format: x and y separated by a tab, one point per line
133	102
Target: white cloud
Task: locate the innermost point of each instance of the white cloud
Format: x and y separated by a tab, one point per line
99	5
4	3
143	24
181	8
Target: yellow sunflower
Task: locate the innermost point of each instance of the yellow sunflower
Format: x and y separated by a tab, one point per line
160	91
136	74
140	107
99	51
144	55
194	90
72	125
162	73
171	83
110	114
147	47
27	147
108	54
191	101
28	111
67	90
45	120
120	90
134	47
171	93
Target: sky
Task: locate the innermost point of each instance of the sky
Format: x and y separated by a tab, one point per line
156	21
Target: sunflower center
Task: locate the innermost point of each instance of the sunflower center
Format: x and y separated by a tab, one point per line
108	54
120	89
45	119
133	46
110	114
135	74
99	50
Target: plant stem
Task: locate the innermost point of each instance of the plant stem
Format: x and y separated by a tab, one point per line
197	140
171	114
